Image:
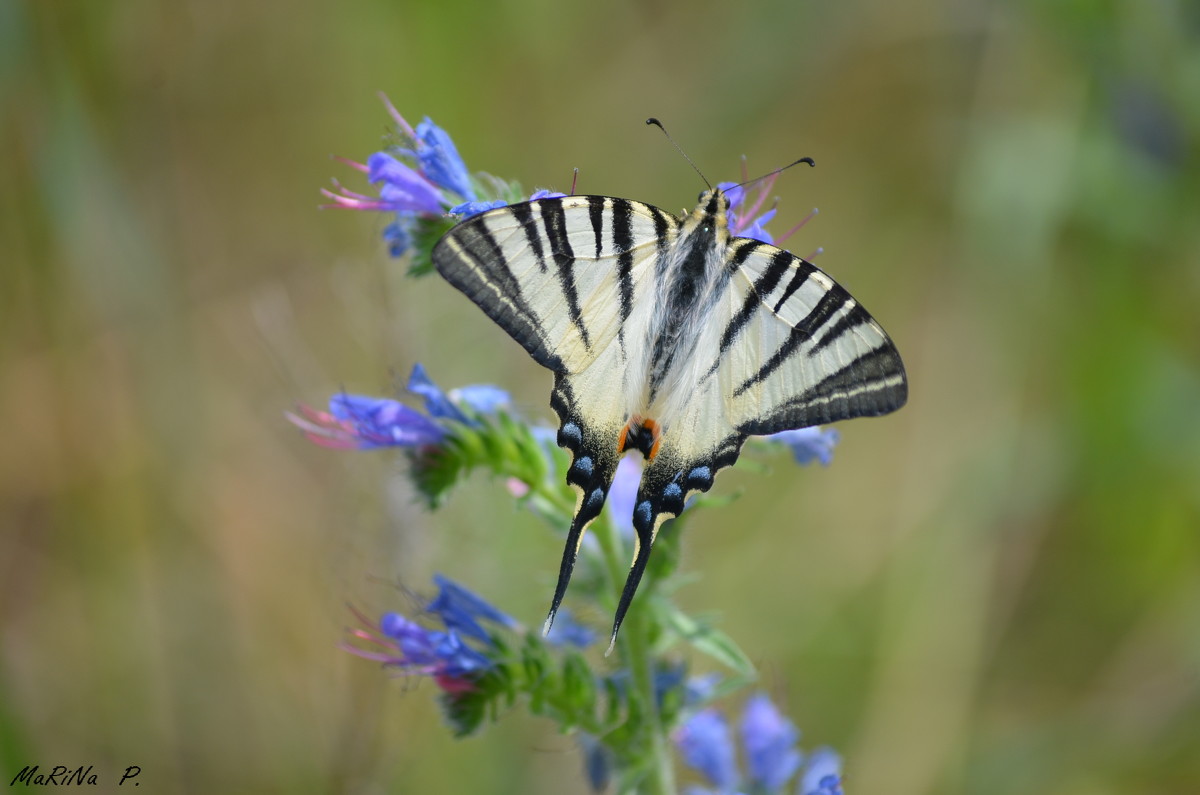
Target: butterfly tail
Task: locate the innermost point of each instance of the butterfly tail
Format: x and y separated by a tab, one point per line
645	539
593	465
594	486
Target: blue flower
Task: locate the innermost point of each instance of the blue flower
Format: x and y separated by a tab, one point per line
468	209
704	742
440	160
770	743
459	608
745	221
745	218
569	632
623	494
597	760
809	444
367	423
432	651
755	228
822	773
415	649
700	689
417	181
480	398
398	236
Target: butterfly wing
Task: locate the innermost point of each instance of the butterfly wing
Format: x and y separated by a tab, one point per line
785	347
561	276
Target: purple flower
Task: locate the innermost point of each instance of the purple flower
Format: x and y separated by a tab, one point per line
366	423
440	160
769	740
417	181
745	218
459	608
569	632
809	444
822	773
542	193
404	190
415	649
755	228
745	221
704	742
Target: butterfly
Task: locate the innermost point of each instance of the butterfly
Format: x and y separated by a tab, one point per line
670	336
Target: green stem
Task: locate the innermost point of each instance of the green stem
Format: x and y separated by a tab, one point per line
635	654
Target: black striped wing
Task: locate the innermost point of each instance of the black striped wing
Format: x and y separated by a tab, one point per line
783	347
561	276
796	349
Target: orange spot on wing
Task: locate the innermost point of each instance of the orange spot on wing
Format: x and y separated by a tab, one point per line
656	434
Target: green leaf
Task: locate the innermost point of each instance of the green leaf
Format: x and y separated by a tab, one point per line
435	469
578	688
465	711
426	232
713	642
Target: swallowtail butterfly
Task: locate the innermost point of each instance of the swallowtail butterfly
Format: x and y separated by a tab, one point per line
669	336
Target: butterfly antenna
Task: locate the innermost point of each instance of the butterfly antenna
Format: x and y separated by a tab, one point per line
808	160
679	149
574	179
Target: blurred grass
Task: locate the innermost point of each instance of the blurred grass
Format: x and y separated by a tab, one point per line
994	591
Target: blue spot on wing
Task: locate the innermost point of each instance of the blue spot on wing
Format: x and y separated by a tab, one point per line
570	432
643	514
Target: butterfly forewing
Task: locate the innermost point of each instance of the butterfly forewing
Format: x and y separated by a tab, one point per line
559	275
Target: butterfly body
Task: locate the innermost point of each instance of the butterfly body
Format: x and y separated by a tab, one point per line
670	336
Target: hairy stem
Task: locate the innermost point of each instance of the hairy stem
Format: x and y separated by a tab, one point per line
634	648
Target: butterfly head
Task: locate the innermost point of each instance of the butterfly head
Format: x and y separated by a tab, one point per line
711	215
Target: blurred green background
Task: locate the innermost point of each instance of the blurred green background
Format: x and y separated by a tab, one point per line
996	590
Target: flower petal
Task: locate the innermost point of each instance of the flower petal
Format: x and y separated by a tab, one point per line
468	209
821	773
809	444
705	745
440	159
403	190
769	740
459	608
436	402
382	422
